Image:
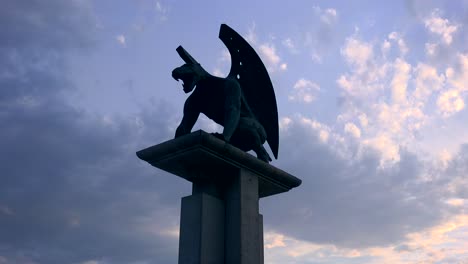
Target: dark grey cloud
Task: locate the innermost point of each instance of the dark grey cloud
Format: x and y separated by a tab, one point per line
71	187
351	202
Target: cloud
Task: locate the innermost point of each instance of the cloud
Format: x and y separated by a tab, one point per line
290	45
386	45
457	75
304	91
121	40
431	48
427	81
400	98
327	16
251	36
267	51
162	10
357	53
443	243
441	27
400	80
398	39
319	35
344	191
450	102
269	54
352	129
367	72
72	189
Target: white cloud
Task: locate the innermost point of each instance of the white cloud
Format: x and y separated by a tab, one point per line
121	40
251	36
400	80
457	76
290	45
398	39
386	45
162	10
352	129
284	123
441	27
274	240
363	119
269	53
427	81
431	48
271	58
444	157
316	57
357	53
322	130
304	90
443	243
450	102
387	147
366	71
328	16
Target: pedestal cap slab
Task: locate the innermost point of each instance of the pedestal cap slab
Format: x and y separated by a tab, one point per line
200	156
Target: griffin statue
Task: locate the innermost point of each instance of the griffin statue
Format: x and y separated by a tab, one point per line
243	103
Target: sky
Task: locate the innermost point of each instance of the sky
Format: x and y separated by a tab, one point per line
372	102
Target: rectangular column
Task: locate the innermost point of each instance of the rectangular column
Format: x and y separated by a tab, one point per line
201	239
242	226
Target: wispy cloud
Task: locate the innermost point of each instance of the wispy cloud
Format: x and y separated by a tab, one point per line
162	10
304	91
441	27
328	16
267	51
121	40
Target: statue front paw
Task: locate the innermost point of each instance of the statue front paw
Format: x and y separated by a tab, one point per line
180	131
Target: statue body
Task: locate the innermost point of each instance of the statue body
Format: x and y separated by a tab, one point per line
222	100
243	102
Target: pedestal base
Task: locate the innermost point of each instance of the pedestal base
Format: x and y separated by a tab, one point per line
220	221
201	230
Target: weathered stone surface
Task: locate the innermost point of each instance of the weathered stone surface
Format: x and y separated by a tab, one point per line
201	238
201	157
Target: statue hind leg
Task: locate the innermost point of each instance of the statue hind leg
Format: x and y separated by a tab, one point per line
250	135
262	153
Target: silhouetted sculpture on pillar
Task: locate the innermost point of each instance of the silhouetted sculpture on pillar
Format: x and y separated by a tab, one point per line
243	103
220	221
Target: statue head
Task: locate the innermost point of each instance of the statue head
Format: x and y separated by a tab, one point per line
190	74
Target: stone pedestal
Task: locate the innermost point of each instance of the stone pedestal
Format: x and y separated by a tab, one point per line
220	221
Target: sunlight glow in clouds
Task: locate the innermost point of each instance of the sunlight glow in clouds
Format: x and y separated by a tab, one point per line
372	112
429	246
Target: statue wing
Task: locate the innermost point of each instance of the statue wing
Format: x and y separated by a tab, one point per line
248	69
